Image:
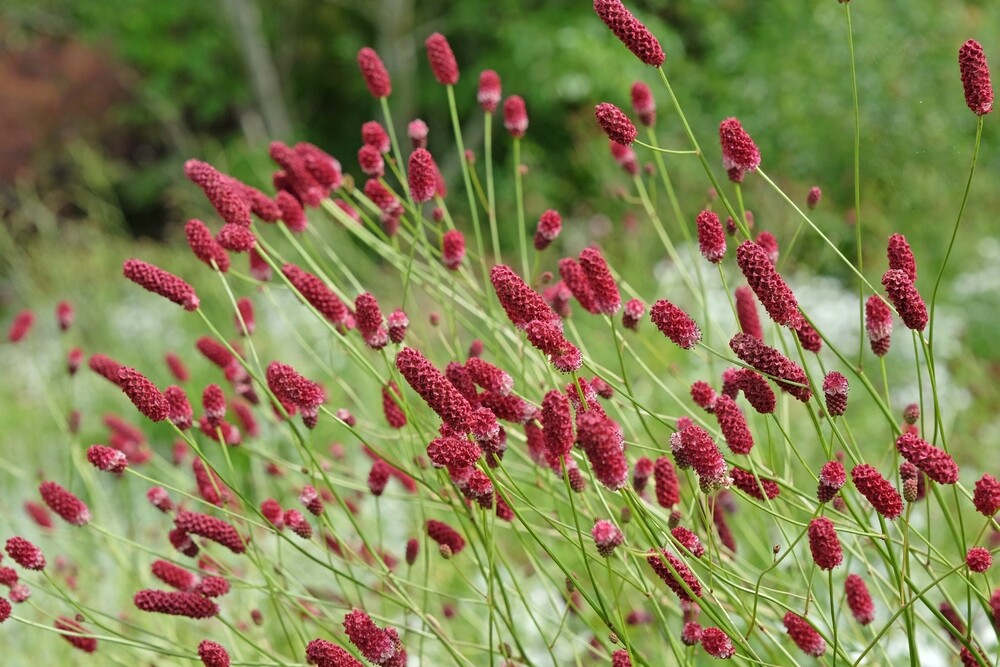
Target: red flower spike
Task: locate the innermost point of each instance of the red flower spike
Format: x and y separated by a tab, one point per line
322	653
771	289
391	408
666	483
904	296
910	478
291	212
453	452
213	654
374	135
643	104
607	537
489	377
832	477
445	535
515	116
212	587
271	510
549	226
175	603
378	477
756	390
369	321
986	496
835	389
824	544
398	323
179	410
259	268
297	176
717	644
935	462
733	425
557	424
739	152
704	396
64	315
5	610
769	243
804	636
107	459
65	504
625	157
812	199
442	59
632	313
181	541
236	238
769	361
755	487
422	174
158	498
213	402
808	337
979	559
210	528
859	600
693	448
901	256
158	281
70	630
576	281
371	162
204	246
975	78
632	33
673	581
310	499
548	338
953	619
210	485
488	95
602	283
711	236
620	659
374	72
452	249
261	205
521	303
877	490
417	131
688	540
691	633
297	523
911	413
173	575
227	199
25	554
615	123
601	440
675	324
746	311
73	360
439	394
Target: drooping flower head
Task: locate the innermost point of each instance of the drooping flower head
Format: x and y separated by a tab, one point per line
317	294
986	496
935	462
804	635
746	312
717	643
975	78
71	630
769	361
979	559
878	324
211	528
221	191
549	226
615	123
204	246
632	313
521	303
607	537
812	199
859	600
25	554
158	281
175	603
602	283
445	535
765	281
602	442
675	574
632	33
835	389
144	395
643	104
711	236
452	249
213	654
901	256
739	152
877	490
832	477
322	653
368	316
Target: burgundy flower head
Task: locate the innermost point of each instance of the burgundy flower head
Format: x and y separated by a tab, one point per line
369	321
975	78
488	94
832	477
445	535
878	324
672	580
70	630
398	323
144	395
576	281
675	324
979	559
986	496
808	337
297	175
175	603
515	116
689	540
804	635
547	337
204	246
322	653
693	448
901	256
755	487
602	283
521	303
452	249
746	311
158	281
549	226
835	389
607	537
769	243
374	72
717	643
666	484
221	192
877	490
904	296
601	440
395	416
291	212
771	289
213	654
643	104
374	135
434	388
704	396
733	425
756	390
25	554
107	459
632	313
824	544
173	575
442	59
936	463
422	174
210	528
417	131
625	157
859	600
632	33
711	236
739	152
371	162
620	659
769	361
812	199
615	123
179	410
236	238
21	325
290	387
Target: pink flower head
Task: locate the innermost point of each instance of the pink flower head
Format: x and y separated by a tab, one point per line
769	243
675	324
808	337
975	78
904	296
179	410
452	249
704	396
986	496
877	490
236	238
878	324
746	311
442	59
640	473
317	294
771	289
607	537
210	528
675	574
158	281
322	653
620	659
158	498
769	361
290	387
632	33
691	633
259	268
398	323
173	575
369	321
378	477
733	425
558	425
107	459
632	313
221	192
804	635
380	646
936	463
625	157
693	448
643	104
711	236
979	559
297	523
453	452
547	337
297	176
488	94
859	600
835	389
442	397
291	211
755	487
717	644
371	162
73	360
387	203
615	123
521	303
25	554
144	395
175	603
515	116
374	72
21	325
601	440
756	390
549	226
71	630
667	485
832	477
213	402
417	131
213	654
204	246
812	199
489	377
394	414
739	153
374	135
901	256
602	283
911	413
445	535
422	174
576	281
689	540
824	544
